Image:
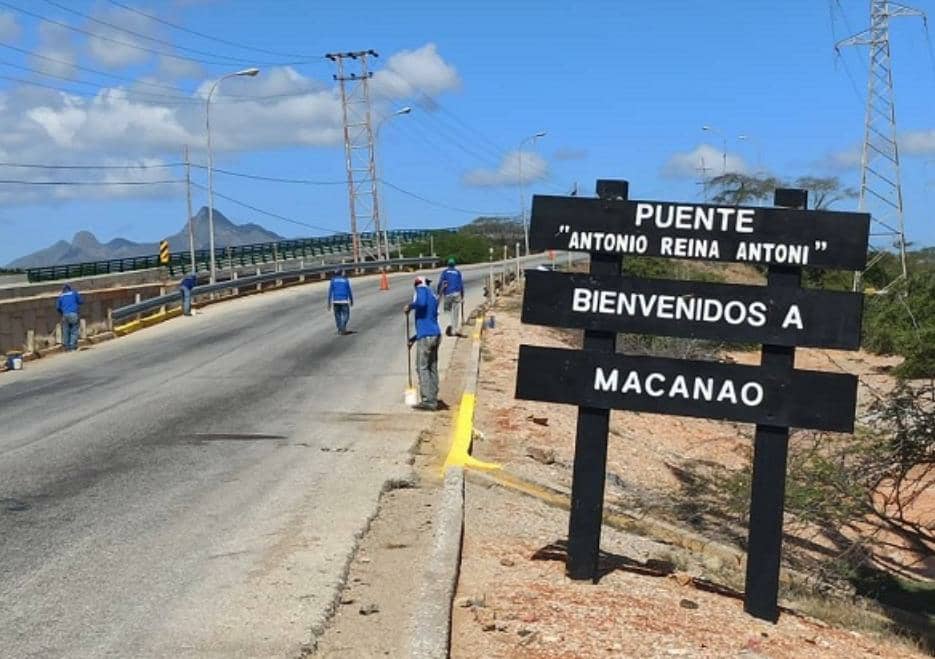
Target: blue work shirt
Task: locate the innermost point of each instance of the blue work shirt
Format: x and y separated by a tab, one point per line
189	281
450	282
69	300
339	291
425	308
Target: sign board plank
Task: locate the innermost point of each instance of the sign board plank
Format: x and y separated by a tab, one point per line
694	310
734	392
769	236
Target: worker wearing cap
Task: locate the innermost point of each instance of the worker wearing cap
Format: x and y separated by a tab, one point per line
341	298
451	286
427	339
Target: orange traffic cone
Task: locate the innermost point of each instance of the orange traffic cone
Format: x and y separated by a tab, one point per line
384	282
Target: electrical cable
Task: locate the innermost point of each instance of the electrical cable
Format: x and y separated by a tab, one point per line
263	212
202	35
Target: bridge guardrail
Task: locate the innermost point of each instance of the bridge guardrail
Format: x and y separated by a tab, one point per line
176	296
241	255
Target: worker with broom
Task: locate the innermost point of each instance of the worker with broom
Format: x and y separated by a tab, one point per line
426	340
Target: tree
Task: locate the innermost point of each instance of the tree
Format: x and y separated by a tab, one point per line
738	189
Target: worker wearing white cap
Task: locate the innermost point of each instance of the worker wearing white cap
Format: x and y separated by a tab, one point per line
427	339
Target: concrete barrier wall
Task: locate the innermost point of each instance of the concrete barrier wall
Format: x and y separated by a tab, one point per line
38	313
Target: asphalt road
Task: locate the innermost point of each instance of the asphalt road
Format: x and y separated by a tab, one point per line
195	489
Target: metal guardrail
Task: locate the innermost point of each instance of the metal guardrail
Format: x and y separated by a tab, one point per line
176	296
241	255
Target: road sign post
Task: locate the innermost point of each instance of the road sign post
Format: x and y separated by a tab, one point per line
770	453
781	315
590	465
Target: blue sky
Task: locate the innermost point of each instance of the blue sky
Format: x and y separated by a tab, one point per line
622	89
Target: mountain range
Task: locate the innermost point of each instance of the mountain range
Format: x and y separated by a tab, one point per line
86	247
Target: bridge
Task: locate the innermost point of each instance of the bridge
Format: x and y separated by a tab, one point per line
199	487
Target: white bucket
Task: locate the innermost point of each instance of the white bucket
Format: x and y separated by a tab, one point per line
412	398
15	363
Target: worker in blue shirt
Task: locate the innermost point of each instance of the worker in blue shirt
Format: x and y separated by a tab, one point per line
341	298
185	286
69	302
427	339
451	286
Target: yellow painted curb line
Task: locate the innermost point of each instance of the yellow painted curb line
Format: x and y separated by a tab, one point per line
460	453
148	321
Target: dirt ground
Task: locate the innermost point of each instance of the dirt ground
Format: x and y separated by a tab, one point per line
513	598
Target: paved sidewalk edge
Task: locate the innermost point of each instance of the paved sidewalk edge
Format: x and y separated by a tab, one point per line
430	624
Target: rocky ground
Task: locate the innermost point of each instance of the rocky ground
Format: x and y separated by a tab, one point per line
513	597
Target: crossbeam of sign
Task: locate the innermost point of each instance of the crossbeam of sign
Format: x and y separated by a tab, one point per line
164	252
768	236
732	392
694	310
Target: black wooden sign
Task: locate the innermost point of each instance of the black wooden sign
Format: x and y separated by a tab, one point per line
695	310
769	236
733	392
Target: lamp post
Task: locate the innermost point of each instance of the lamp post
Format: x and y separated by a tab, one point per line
759	153
251	72
522	188
386	236
712	129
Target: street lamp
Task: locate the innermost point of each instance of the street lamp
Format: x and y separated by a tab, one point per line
759	153
386	236
251	72
522	190
712	129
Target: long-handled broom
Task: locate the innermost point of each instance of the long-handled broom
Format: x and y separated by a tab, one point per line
410	395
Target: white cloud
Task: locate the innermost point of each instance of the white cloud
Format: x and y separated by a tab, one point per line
533	167
415	72
843	160
179	69
55	54
570	153
115	48
918	143
9	27
689	164
279	108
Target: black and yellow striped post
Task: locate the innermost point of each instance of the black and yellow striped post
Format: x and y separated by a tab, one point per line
164	252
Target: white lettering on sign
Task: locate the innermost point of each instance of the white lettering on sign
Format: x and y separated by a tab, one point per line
593	241
699	248
793	317
695	218
699	388
772	253
670	307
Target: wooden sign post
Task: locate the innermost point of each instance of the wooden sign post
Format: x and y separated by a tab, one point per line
587	485
781	315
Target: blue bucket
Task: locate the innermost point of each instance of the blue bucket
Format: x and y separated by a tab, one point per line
491	322
14	361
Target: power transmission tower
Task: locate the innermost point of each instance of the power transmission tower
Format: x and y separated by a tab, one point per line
880	188
359	145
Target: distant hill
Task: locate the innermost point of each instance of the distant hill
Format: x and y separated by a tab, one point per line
86	247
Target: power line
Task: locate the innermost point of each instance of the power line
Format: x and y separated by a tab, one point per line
202	35
272	179
127	166
126	44
163	42
89	183
264	212
441	204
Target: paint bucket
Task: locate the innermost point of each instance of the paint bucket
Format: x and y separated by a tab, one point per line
14	361
491	322
412	397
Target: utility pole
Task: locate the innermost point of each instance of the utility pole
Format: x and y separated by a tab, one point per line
188	190
701	169
880	188
359	156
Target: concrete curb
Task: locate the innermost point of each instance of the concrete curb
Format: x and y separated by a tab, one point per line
430	625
